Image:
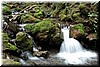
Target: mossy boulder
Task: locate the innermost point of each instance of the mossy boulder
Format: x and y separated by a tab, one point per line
6	44
9	46
5	37
46	33
77	30
27	18
23	41
10	62
6	10
44	25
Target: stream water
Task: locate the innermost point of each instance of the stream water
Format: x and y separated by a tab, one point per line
72	51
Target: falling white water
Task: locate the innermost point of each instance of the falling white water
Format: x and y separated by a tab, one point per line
72	51
30	57
22	61
22	26
8	57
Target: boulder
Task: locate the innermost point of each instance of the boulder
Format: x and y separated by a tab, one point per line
23	42
77	31
6	44
46	33
44	54
27	18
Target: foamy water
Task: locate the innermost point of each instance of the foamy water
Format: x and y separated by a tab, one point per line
72	51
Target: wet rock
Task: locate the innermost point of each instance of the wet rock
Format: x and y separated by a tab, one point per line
5	37
9	50
46	32
25	55
77	31
44	54
23	42
9	27
91	36
6	44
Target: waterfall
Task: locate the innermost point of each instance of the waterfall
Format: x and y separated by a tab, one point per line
22	26
69	45
72	51
8	57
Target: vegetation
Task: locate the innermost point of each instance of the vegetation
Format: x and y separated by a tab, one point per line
6	10
6	44
43	24
27	18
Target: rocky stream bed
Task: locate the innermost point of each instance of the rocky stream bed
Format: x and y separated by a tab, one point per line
28	25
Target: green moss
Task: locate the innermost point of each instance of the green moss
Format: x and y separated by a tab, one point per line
20	36
76	15
8	46
5	36
6	10
38	14
28	27
81	6
62	16
28	18
23	41
46	24
79	27
68	16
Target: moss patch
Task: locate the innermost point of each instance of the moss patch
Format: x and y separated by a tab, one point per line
6	10
79	27
27	18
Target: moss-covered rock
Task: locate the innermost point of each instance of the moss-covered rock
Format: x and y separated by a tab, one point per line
5	36
77	30
27	18
23	41
6	44
6	10
46	33
44	25
10	62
